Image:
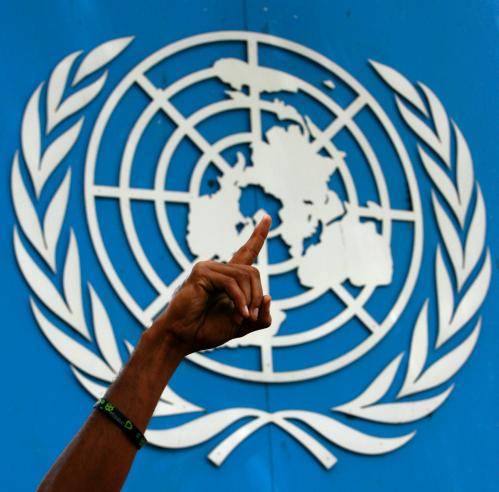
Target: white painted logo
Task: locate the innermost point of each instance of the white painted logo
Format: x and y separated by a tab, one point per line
296	161
287	163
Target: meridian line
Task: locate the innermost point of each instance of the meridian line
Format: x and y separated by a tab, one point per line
265	349
391	213
182	123
141	194
256	123
164	297
369	322
339	122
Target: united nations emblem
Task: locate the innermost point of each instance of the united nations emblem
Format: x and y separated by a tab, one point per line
187	151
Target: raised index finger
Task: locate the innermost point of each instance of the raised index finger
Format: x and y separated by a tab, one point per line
248	252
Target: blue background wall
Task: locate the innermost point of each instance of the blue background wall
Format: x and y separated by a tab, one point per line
450	46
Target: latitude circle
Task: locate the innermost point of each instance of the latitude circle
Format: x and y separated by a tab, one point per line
194	190
234	139
248	37
201	116
194	186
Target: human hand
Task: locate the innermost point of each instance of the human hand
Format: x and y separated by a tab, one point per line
220	301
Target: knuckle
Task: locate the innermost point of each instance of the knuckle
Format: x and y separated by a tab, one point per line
256	301
232	285
199	270
243	249
199	267
248	272
242	274
255	272
195	272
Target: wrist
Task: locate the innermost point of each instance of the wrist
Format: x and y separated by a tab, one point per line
139	385
161	337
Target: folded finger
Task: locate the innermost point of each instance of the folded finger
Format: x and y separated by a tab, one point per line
248	280
228	284
264	318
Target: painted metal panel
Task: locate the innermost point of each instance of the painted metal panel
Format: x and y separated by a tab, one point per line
380	370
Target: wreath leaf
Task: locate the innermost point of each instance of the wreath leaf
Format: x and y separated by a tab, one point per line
418	353
475	241
445	300
104	334
73	351
54	218
56	87
474	297
440	178
417	125
446	366
30	136
98	391
200	430
79	99
451	239
100	56
401	412
345	436
441	123
57	151
464	172
174	404
400	85
25	211
376	390
38	281
71	282
95	389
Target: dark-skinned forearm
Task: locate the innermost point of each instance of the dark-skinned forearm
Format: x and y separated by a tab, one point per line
210	308
101	446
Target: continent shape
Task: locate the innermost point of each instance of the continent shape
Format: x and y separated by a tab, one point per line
238	73
348	250
216	227
288	168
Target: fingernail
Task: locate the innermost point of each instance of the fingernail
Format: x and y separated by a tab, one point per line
246	311
255	313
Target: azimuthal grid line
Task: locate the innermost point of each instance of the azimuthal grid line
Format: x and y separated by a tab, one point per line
187	126
147	194
130	193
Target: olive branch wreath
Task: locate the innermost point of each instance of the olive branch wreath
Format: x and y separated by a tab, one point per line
96	360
